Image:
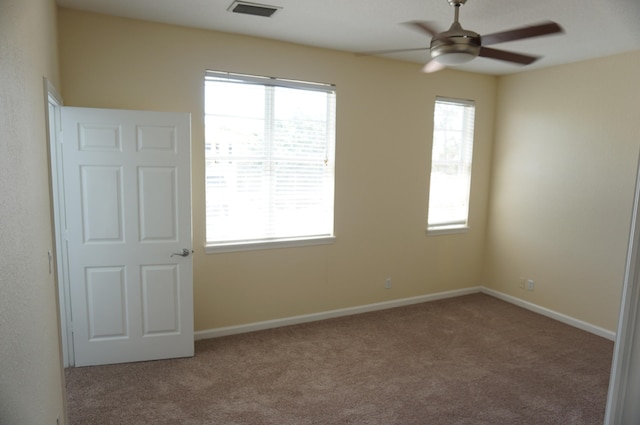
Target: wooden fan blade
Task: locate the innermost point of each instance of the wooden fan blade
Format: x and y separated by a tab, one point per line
503	55
538	30
423	26
432	66
383	52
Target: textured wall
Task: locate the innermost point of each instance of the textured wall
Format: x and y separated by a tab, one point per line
30	367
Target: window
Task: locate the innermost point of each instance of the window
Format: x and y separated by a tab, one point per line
269	153
449	190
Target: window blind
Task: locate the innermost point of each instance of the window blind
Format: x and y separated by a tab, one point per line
269	152
451	161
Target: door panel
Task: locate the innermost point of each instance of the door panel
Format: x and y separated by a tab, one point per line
160	299
128	204
102	201
106	303
158	202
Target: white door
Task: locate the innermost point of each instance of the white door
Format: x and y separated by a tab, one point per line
127	189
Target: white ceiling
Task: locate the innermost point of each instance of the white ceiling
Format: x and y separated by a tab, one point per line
594	28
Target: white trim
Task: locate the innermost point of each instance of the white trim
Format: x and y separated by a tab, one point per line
51	90
278	243
622	405
233	77
447	230
295	320
454	101
54	136
576	323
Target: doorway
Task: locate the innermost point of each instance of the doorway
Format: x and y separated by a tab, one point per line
121	186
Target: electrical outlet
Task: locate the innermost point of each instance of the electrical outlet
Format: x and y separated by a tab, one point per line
530	285
387	283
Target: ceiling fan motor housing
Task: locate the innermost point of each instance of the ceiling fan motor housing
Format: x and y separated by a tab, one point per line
455	45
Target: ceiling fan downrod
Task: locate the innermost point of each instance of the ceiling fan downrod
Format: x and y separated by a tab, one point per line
456	5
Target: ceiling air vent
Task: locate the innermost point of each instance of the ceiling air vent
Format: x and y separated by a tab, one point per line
253	9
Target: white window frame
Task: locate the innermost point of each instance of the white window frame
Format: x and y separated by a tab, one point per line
460	223
214	246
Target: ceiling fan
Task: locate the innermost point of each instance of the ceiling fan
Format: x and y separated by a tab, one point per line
456	45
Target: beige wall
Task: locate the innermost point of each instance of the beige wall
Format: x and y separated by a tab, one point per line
566	149
384	127
30	367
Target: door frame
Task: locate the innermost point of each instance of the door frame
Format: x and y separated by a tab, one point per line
624	388
59	217
53	110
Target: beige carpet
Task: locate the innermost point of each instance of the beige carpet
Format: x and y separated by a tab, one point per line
468	360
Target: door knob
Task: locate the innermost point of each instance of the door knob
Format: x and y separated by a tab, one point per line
183	253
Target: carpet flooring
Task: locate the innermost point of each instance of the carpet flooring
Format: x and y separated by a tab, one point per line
467	360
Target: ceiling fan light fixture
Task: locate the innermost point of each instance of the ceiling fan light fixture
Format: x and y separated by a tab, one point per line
455	58
456	49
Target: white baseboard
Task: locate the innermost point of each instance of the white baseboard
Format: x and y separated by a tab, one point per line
287	321
552	314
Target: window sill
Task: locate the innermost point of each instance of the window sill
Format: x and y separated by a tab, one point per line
256	245
446	230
